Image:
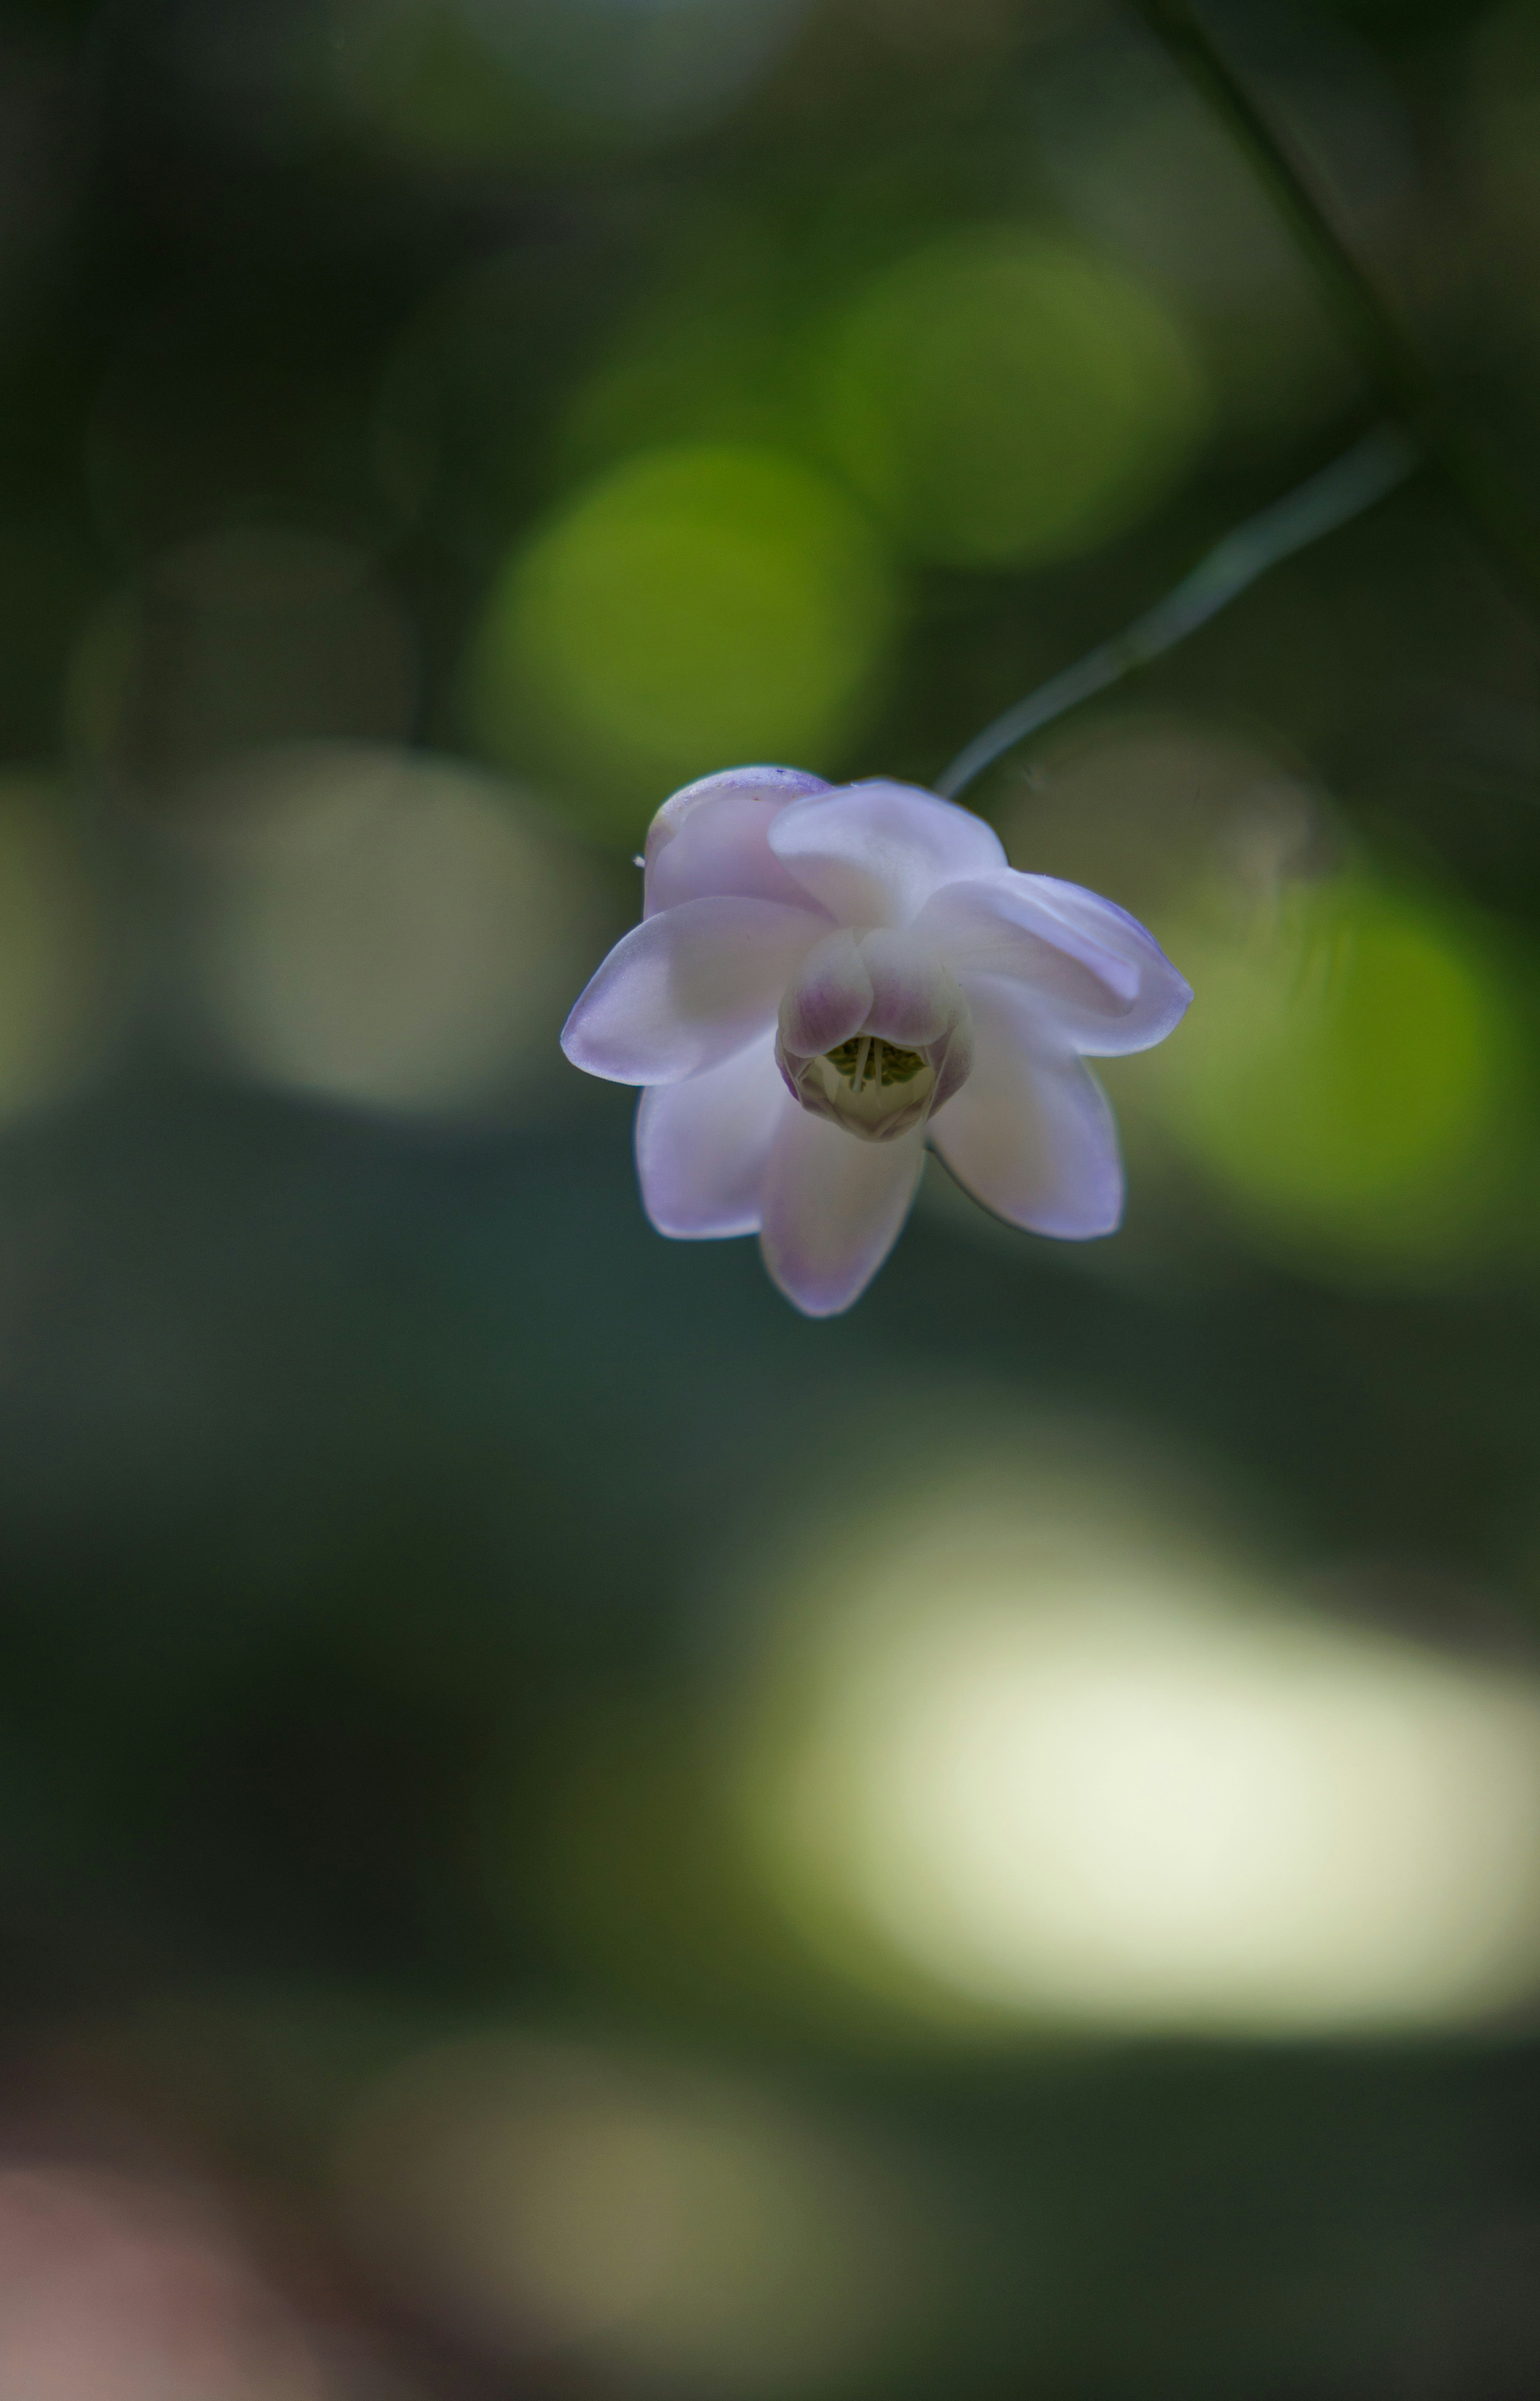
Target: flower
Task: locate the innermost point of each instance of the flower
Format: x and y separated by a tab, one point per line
825	978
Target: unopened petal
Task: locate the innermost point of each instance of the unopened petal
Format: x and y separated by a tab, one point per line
702	1146
688	988
914	997
1102	983
833	1209
872	853
829	999
712	838
1031	1133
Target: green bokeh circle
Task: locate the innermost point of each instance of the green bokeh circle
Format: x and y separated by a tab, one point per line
1350	1082
694	607
1001	398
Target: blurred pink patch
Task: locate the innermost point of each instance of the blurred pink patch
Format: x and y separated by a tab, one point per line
115	2290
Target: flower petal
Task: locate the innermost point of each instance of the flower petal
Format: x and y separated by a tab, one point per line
832	1209
702	1146
1031	1133
915	998
872	853
688	988
830	997
1102	983
711	838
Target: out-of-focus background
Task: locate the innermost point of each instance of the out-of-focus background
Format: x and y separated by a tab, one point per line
564	1830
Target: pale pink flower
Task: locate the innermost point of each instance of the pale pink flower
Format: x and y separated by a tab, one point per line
825	979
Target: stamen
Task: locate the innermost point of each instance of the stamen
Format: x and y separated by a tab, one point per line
872	1088
889	1063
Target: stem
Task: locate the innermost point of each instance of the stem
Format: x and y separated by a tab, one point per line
1373	467
1503	516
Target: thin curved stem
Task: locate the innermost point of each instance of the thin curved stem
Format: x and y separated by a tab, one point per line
1501	514
1364	475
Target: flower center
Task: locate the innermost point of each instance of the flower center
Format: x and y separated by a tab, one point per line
863	1060
874	1088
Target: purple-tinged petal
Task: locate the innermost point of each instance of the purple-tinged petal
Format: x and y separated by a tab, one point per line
830	998
1031	1133
953	1059
914	997
688	988
711	838
1102	983
832	1209
872	853
702	1146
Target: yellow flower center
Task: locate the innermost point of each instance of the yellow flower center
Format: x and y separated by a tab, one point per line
863	1060
874	1088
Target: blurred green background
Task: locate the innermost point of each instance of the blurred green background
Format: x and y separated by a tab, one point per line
562	1830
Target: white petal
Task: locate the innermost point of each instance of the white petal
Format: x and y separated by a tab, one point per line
915	998
833	1206
1031	1133
1102	983
830	997
688	988
711	838
702	1146
872	853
